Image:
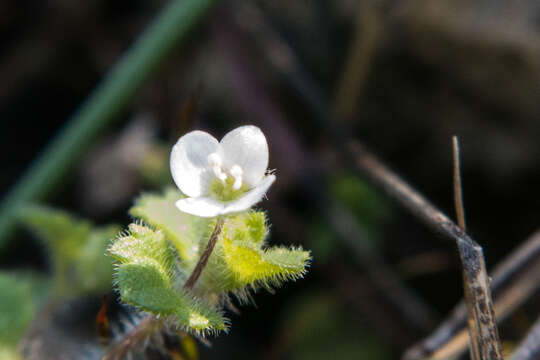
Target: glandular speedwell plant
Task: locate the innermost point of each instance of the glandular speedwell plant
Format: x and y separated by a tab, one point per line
191	248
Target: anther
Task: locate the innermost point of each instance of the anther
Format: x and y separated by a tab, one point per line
214	160
236	173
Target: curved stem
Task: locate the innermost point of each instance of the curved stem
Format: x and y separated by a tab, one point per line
203	260
134	338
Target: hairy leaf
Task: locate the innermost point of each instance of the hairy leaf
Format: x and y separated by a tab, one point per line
146	279
240	259
182	229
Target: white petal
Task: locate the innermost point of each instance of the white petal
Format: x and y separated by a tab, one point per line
250	198
203	206
246	147
189	162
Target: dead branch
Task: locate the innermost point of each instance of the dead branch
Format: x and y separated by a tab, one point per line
474	332
471	254
515	279
135	338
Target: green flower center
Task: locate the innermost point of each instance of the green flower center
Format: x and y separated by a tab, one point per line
225	191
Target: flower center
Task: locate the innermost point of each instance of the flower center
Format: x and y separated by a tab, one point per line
228	184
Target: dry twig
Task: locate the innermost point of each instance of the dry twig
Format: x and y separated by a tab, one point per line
471	253
285	62
514	280
474	331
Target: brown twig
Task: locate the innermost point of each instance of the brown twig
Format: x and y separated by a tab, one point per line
474	332
293	73
203	260
514	280
458	189
471	254
369	26
135	338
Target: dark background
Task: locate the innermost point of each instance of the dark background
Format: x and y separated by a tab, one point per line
402	77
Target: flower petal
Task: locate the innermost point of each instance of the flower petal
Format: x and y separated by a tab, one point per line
189	162
250	198
203	206
246	147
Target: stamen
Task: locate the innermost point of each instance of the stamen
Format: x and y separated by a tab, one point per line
236	173
214	160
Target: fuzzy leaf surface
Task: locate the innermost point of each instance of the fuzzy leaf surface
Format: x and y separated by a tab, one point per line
182	229
241	258
146	279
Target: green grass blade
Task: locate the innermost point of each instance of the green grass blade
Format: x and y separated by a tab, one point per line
104	104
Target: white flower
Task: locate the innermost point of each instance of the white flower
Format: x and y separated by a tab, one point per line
221	177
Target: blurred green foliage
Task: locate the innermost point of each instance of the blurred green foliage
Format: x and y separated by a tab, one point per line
316	326
369	209
76	248
22	293
154	166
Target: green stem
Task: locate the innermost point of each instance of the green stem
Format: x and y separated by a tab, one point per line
104	104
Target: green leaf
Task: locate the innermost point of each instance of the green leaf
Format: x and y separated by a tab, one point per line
154	166
240	259
256	267
148	248
77	249
21	295
147	279
337	334
9	352
360	198
146	287
183	230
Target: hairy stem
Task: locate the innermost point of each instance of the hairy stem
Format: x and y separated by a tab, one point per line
203	260
136	337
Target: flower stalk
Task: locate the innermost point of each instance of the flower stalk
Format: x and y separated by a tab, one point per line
203	260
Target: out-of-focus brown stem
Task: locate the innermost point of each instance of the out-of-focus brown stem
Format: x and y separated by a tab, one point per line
369	26
458	188
134	338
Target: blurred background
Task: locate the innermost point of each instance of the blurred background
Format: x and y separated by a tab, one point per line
402	77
